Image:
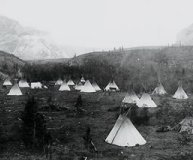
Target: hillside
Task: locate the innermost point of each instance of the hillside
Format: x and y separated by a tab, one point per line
32	44
9	64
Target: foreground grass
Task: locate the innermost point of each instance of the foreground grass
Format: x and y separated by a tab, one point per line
68	128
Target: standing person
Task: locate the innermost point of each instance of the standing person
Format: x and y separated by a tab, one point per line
78	104
48	145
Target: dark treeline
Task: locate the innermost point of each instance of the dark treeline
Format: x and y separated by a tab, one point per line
141	69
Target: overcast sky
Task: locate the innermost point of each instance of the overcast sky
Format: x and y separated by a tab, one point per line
104	23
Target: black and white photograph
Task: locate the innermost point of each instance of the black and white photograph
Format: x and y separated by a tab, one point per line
96	80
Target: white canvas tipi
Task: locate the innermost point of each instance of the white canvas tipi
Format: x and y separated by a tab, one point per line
96	87
146	101
112	86
7	82
15	91
130	98
23	84
82	80
159	90
36	85
88	88
58	82
70	83
78	86
64	87
180	93
124	133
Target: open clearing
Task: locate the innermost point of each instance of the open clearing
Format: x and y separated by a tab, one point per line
68	128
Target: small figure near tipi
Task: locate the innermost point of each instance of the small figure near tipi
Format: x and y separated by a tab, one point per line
88	141
180	93
78	104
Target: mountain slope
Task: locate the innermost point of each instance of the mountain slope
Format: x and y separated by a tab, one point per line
31	44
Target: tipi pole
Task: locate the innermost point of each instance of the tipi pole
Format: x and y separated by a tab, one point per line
120	125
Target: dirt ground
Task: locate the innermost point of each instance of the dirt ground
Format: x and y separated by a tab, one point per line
68	128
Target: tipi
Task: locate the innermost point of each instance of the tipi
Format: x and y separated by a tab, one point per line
180	93
64	87
82	80
78	86
186	125
58	82
23	84
36	85
159	90
88	87
15	91
131	98
96	87
70	83
124	133
146	101
112	86
7	82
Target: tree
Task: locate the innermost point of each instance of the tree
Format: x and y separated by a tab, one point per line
33	126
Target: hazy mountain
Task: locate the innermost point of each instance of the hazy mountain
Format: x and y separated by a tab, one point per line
185	37
31	44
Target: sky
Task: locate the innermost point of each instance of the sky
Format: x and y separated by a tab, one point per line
104	23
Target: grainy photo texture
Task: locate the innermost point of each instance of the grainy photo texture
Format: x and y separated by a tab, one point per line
96	80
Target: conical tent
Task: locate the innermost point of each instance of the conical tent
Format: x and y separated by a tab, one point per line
186	125
78	86
36	85
23	84
180	93
58	82
64	87
7	82
124	133
146	101
88	88
130	98
112	86
82	80
70	83
159	90
96	87
15	91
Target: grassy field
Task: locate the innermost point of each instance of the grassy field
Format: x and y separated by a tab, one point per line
68	128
